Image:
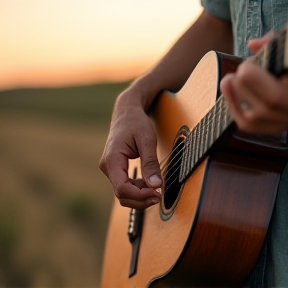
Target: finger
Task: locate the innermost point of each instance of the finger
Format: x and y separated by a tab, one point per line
259	117
140	205
141	184
145	190
115	167
124	187
269	91
129	191
130	195
256	44
236	94
247	110
149	162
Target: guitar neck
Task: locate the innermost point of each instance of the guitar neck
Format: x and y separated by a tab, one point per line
203	136
274	58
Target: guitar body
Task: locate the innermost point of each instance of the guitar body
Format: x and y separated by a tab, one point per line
210	230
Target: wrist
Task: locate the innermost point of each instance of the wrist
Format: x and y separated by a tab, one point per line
141	93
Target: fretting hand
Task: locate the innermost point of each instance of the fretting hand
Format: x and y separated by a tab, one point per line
258	101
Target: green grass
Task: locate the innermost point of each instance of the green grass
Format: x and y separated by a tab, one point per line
89	104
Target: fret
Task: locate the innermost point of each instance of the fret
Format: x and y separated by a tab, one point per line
212	119
199	142
190	162
218	120
212	127
193	141
206	133
209	137
196	148
187	149
274	58
201	137
224	115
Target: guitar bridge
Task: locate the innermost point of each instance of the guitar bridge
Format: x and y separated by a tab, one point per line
134	234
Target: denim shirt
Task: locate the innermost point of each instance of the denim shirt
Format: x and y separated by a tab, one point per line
252	19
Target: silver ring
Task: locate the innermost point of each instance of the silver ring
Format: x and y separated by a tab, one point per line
244	106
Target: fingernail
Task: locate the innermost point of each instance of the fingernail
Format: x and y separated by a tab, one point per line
154	180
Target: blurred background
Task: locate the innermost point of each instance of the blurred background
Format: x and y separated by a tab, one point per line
62	64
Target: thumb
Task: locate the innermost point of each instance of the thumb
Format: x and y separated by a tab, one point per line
149	165
256	44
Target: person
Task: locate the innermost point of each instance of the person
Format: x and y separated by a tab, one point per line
231	26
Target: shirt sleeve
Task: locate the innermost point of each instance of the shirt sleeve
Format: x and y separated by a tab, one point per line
217	8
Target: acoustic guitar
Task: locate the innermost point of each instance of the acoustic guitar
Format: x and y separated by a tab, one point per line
218	194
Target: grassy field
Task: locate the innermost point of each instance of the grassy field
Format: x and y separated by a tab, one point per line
55	203
83	104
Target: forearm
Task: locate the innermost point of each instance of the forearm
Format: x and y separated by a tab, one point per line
207	33
126	139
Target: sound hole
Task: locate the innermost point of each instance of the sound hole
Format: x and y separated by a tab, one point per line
172	185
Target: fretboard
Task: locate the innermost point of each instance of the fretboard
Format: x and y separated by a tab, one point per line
204	135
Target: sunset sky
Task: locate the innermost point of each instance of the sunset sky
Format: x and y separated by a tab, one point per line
64	42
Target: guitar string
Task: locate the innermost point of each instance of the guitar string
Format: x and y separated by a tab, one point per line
280	45
272	53
255	58
208	125
176	178
180	158
217	114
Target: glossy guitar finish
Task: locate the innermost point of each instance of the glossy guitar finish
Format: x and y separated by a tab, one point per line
209	231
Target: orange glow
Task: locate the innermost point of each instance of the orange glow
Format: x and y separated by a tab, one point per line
76	76
68	42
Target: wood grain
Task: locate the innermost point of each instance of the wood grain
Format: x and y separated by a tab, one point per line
217	229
